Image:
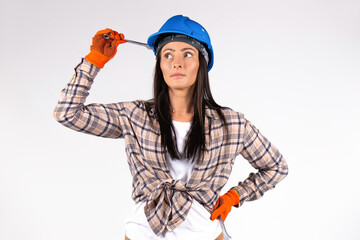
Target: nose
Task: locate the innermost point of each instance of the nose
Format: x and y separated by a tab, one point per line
178	62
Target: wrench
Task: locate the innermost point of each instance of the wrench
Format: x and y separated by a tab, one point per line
226	235
107	36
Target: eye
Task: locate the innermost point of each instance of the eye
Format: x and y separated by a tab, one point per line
167	55
188	54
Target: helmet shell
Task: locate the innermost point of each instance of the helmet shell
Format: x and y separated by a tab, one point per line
184	25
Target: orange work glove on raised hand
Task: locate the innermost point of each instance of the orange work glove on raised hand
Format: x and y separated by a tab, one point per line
224	204
102	50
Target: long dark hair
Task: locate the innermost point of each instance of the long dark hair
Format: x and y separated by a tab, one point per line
195	139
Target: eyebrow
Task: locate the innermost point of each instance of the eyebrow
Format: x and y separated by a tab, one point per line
182	50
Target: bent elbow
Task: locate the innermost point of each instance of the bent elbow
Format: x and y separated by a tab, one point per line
284	169
277	173
63	115
59	115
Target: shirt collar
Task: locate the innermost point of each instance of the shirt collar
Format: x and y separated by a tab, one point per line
211	113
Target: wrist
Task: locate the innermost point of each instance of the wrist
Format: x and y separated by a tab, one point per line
233	194
97	59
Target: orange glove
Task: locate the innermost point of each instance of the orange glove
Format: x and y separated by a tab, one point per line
224	204
102	50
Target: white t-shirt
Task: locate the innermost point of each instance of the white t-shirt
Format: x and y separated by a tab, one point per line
197	224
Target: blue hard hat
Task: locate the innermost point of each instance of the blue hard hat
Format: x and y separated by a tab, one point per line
184	25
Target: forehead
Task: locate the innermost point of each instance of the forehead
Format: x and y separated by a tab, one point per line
178	46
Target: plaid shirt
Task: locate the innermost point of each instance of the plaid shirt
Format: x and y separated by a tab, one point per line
167	200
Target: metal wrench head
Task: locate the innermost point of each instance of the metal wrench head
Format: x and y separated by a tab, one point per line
107	36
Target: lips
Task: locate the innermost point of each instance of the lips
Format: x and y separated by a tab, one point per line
177	75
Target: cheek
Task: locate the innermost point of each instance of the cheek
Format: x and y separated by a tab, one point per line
165	72
195	70
164	67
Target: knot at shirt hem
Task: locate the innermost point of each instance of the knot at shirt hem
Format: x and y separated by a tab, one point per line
167	206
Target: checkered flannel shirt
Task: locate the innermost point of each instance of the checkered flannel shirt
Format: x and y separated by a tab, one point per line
167	200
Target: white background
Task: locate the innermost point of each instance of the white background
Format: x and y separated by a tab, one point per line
292	67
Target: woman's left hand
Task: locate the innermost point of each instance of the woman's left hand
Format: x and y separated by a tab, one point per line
224	204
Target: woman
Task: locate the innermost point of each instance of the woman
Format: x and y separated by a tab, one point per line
181	145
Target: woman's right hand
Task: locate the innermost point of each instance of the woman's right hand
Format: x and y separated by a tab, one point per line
103	49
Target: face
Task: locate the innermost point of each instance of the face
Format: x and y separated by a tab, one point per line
179	64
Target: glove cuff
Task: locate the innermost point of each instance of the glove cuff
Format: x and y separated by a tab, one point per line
97	58
234	196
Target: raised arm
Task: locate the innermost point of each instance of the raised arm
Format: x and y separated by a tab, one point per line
97	119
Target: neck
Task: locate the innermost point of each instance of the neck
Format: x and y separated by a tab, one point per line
181	102
181	107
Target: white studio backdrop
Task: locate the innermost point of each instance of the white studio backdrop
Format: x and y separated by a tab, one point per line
292	67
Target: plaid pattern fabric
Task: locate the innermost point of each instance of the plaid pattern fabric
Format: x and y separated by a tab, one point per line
167	200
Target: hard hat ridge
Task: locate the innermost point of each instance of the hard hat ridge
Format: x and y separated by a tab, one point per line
162	41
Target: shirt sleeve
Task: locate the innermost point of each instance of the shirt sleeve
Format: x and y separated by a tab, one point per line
264	157
96	119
